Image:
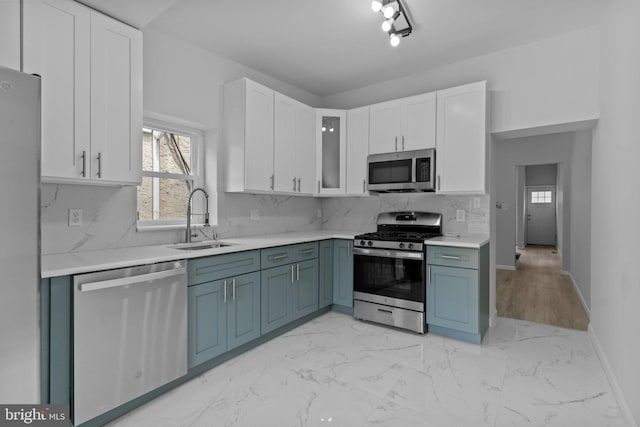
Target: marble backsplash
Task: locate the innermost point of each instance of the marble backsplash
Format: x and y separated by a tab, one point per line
109	216
360	213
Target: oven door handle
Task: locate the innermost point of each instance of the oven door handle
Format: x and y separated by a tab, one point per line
388	253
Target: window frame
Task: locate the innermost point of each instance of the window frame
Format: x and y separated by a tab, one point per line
540	197
197	175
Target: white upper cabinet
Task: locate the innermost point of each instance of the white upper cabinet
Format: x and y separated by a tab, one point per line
331	152
91	68
10	34
403	124
461	150
294	146
249	137
357	150
57	47
116	100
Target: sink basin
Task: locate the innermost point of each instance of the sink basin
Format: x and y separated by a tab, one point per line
195	246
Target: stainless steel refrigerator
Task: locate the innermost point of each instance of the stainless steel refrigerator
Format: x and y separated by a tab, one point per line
19	237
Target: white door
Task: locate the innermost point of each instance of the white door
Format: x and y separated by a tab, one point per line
541	216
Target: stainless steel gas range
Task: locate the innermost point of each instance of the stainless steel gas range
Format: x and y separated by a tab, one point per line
389	269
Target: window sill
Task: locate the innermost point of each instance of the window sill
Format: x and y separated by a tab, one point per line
168	227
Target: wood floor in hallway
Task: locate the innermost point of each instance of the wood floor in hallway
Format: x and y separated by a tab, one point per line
538	291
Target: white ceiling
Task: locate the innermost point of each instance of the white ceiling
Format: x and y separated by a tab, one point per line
329	46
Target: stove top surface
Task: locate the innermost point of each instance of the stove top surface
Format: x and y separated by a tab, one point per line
398	236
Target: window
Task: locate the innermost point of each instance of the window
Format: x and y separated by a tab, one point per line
541	197
170	171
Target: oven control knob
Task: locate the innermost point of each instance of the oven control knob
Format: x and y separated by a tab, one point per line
361	242
401	245
370	243
410	246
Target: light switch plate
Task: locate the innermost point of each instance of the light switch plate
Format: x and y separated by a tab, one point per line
255	214
460	214
476	202
75	217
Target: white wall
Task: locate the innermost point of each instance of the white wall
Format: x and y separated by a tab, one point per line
547	82
615	228
541	175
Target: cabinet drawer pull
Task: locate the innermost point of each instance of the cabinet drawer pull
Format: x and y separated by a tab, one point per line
277	257
307	252
455	257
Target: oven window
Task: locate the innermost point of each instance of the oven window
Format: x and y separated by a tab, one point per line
396	171
391	277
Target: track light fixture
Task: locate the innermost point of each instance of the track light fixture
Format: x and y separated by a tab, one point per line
396	22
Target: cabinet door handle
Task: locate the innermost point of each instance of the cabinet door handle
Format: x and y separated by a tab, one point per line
396	143
271	185
294	184
298	185
364	185
428	275
99	165
233	289
455	257
292	279
438	182
402	142
298	272
318	186
84	164
225	291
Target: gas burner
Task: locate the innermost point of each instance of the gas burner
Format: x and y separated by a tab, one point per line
402	230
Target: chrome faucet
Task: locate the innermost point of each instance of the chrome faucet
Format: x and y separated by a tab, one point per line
206	214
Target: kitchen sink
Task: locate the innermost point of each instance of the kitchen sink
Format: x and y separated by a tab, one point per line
194	246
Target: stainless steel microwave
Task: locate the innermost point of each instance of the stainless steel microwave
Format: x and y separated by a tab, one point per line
402	171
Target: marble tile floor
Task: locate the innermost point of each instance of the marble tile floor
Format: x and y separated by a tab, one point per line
336	371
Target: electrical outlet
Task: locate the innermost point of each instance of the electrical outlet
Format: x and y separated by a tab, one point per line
75	217
476	202
255	214
460	214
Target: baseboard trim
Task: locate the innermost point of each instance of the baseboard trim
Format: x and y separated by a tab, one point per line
611	376
506	267
575	286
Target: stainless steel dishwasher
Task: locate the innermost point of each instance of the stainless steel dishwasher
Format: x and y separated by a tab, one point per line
130	334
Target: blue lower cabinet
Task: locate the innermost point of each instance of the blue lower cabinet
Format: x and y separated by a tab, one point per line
343	272
458	292
325	273
452	298
223	315
243	310
305	288
275	297
207	322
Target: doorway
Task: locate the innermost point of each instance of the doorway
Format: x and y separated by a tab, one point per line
540	212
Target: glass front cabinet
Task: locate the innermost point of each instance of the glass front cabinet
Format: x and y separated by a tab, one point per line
331	152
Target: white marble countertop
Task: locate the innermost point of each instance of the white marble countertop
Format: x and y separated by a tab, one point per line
461	242
85	262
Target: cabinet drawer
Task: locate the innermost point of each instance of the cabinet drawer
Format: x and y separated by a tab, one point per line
221	266
274	257
304	251
452	256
